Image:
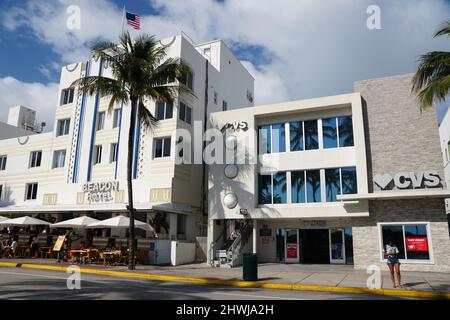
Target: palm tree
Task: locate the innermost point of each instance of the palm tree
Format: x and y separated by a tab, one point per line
141	71
432	78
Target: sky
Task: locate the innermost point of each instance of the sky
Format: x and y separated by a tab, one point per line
295	49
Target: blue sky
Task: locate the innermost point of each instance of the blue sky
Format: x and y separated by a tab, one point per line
294	49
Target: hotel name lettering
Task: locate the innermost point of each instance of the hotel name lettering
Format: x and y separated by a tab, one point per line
100	191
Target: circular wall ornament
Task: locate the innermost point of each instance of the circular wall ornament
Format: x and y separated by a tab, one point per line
168	44
72	67
231	142
231	171
230	200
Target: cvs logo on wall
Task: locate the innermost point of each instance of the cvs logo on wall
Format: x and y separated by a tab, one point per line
406	180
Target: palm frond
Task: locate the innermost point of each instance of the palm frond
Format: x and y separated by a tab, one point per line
432	67
444	31
146	117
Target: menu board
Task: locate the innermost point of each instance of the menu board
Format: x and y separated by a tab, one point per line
59	242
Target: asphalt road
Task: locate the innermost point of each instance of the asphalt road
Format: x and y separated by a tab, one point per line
29	284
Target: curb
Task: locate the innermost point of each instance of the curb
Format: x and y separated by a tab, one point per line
238	283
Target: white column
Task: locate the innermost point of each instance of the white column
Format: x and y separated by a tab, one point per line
255	235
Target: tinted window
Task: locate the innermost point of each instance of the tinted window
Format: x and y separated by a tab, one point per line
311	135
345	131
349	183
264	139
329	130
333	184
313	186
296	136
264	189
298	186
395	234
279	187
278	138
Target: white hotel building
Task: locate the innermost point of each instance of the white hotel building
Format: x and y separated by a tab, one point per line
45	175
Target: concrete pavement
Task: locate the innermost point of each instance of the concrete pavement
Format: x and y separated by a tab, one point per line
281	276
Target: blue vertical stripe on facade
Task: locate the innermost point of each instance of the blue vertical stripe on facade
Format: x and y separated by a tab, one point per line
137	137
80	129
91	146
118	140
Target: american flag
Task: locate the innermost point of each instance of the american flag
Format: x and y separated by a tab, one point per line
134	20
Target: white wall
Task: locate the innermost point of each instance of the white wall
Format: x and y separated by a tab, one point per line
182	253
444	133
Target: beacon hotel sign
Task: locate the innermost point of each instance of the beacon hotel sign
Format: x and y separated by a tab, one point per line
408	180
100	191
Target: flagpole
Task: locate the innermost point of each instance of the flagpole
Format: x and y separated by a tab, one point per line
123	19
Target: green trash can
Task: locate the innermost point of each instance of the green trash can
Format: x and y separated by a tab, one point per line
250	267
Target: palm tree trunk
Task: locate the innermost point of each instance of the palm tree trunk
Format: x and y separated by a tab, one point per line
131	260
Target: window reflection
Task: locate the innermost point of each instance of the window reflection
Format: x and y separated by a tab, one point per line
313	186
265	189
311	135
279	187
298	186
333	184
345	131
349	183
329	129
296	135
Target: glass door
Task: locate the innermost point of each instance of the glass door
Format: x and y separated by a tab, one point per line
291	246
337	246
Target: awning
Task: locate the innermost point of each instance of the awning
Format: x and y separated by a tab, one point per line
120	222
24	221
114	207
397	195
79	222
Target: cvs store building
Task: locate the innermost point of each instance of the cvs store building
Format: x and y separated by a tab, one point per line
334	179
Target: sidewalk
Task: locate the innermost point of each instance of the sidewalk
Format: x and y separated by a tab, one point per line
276	276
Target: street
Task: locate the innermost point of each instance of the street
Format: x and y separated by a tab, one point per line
29	284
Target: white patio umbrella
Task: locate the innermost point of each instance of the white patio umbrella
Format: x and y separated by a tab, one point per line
3	218
80	222
120	222
24	221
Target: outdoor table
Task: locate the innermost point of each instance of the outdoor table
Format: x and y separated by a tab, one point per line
43	251
78	254
109	255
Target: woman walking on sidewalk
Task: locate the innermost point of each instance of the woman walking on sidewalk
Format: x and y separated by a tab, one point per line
391	254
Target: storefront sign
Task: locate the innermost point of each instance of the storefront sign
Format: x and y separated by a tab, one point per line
314	223
416	244
100	191
59	243
406	180
291	250
236	125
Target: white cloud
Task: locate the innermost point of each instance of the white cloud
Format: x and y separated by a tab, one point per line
319	47
37	96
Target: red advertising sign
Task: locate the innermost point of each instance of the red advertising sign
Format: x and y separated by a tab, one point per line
291	250
416	244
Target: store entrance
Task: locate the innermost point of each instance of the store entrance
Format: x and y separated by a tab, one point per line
314	246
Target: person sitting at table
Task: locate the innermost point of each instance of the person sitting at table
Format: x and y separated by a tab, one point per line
34	248
12	249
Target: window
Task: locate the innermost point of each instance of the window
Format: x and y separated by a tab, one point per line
337	132
59	159
412	240
67	96
185	113
3	162
272	138
313	186
62	127
296	136
116	118
188	80
31	191
100	120
224	105
113	154
311	135
162	147
1	192
164	110
215	98
35	159
340	181
272	188
97	154
298	190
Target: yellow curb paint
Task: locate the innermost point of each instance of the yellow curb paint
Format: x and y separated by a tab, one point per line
235	283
